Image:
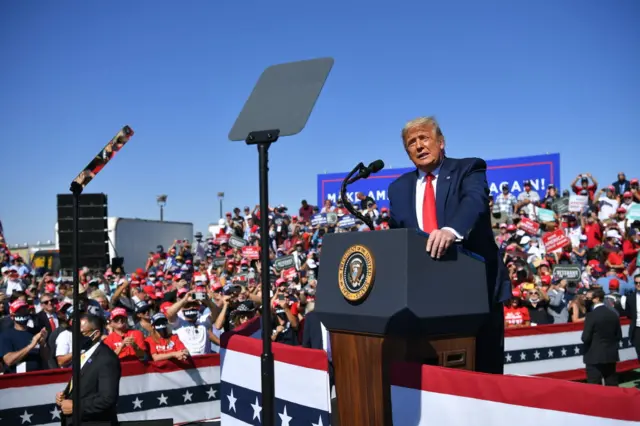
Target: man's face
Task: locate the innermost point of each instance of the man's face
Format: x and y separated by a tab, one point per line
119	323
47	304
637	283
424	147
621	177
527	188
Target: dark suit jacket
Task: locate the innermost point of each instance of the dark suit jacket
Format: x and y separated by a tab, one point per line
99	387
601	336
631	309
462	203
621	186
43	321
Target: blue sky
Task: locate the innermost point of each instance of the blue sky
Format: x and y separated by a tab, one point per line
505	78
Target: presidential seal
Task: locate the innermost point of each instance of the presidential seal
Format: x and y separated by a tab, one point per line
356	273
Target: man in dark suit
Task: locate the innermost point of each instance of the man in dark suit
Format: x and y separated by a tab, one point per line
601	336
47	317
632	309
449	199
100	379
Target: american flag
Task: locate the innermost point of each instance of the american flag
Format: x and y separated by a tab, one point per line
182	391
424	395
556	351
301	382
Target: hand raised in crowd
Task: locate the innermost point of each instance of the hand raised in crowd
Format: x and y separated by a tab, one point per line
39	338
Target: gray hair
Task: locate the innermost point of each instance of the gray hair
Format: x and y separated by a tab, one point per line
422	122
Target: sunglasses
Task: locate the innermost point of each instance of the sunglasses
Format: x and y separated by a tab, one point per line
119	319
45	302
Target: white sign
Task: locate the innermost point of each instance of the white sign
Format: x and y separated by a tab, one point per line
578	203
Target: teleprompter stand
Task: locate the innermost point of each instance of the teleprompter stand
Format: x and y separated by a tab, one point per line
279	105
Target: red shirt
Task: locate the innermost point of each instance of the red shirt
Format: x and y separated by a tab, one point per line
516	315
163	346
114	341
594	235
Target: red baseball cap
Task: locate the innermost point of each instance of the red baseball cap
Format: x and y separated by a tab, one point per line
614	283
17	304
118	312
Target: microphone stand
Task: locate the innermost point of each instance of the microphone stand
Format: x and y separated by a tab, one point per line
345	200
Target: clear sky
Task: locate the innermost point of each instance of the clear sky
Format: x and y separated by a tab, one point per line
505	78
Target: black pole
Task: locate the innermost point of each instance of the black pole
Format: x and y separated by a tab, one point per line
161	213
221	208
76	189
268	387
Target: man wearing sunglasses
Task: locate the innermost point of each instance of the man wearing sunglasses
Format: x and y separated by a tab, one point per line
47	317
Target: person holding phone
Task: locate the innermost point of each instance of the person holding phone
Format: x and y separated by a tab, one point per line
285	324
163	344
193	331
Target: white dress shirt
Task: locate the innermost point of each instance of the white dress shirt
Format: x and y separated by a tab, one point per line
421	185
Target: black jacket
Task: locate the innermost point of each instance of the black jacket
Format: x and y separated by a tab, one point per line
99	387
631	309
312	337
601	336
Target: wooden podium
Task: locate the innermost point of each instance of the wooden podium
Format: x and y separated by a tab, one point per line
384	299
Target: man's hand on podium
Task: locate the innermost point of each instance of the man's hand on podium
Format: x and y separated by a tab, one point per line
439	241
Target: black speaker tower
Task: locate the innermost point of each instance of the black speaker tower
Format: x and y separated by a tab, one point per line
93	235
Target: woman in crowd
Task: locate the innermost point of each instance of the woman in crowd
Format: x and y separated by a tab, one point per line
162	343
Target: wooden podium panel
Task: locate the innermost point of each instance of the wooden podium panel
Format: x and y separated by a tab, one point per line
361	363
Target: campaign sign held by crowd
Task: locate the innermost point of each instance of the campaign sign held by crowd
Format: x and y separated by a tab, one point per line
540	170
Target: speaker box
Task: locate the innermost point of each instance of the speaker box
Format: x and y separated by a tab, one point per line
93	230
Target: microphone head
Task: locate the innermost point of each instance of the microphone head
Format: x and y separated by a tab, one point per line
376	166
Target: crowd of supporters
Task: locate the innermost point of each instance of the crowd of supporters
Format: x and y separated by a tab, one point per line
185	297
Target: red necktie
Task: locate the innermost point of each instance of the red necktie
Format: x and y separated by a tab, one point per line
53	323
429	218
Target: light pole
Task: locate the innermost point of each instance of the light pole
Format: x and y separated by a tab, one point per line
220	198
162	201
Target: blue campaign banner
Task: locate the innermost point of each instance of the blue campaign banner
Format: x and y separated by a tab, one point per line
541	170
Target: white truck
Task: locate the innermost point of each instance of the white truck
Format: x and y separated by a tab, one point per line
133	239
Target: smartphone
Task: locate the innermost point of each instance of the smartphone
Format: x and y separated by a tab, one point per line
280	296
199	296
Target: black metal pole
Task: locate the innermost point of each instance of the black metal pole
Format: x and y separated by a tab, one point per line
268	387
221	208
161	213
76	189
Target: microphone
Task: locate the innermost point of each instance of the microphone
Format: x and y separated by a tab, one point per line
363	173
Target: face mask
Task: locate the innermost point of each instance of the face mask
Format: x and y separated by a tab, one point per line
191	314
87	342
21	320
162	329
245	268
534	300
152	279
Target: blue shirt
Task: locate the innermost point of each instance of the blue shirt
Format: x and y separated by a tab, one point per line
13	340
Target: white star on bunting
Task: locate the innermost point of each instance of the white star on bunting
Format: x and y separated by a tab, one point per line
563	351
536	355
284	417
550	353
162	399
523	356
576	350
187	396
55	413
137	403
26	417
319	422
508	357
232	401
256	410
621	343
211	393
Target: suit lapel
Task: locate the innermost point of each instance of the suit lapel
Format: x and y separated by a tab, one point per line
412	202
88	365
442	190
